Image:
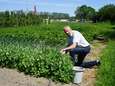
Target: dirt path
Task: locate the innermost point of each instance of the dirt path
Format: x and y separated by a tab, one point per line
90	74
11	77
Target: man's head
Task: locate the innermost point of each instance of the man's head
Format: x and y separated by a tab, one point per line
68	30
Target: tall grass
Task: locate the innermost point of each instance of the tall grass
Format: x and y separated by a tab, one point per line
106	73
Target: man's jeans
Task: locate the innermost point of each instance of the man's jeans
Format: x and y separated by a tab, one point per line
81	52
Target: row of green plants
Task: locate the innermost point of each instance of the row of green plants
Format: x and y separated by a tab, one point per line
35	49
49	34
38	61
106	73
53	34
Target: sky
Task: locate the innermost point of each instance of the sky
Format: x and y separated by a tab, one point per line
60	6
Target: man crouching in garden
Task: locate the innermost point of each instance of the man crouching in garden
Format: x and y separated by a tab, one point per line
77	45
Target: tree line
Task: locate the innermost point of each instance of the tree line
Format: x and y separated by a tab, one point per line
54	15
87	13
19	18
82	13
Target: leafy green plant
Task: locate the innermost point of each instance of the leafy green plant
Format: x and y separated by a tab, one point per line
43	62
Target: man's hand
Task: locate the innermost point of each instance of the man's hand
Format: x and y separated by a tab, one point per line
65	50
62	51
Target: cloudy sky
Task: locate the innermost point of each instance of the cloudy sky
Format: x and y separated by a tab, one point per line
63	6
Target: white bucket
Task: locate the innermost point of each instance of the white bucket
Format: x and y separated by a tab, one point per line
78	74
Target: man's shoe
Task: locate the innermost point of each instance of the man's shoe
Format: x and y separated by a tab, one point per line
98	62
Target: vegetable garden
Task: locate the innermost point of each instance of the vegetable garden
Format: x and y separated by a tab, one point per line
34	50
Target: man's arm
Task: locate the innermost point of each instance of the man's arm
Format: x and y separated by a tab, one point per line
69	47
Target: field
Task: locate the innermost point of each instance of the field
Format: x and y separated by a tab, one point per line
35	50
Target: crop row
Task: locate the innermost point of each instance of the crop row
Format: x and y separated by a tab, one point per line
39	61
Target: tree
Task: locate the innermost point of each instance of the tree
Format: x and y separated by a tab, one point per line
95	17
107	13
44	15
60	16
84	12
6	18
1	18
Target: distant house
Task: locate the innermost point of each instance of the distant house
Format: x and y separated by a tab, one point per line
59	20
64	20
